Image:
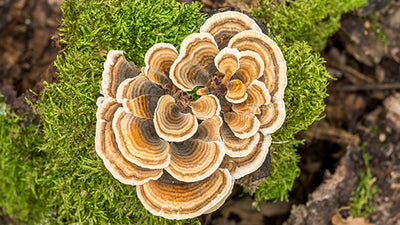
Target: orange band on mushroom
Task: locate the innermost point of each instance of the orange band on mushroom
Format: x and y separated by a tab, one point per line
274	75
272	117
159	59
170	123
173	199
138	141
243	125
137	86
142	106
116	70
251	67
205	107
194	160
195	62
236	92
227	62
223	26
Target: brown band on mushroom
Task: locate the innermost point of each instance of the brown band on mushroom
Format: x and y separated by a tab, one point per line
173	199
223	26
137	86
159	59
274	75
205	107
142	106
139	142
251	67
121	169
170	123
250	163
257	95
195	63
106	108
194	160
236	92
227	62
236	147
272	117
243	125
209	129
116	70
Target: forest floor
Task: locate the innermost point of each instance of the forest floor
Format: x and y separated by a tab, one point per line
350	157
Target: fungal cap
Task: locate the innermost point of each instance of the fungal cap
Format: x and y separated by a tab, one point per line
209	129
227	62
172	125
107	149
195	160
236	92
251	67
237	147
272	117
223	26
172	199
132	88
242	166
274	75
205	107
116	70
258	95
139	142
159	59
243	125
195	62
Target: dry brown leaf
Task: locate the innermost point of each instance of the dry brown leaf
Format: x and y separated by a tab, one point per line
337	219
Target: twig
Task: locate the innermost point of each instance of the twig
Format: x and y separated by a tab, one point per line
352	74
367	87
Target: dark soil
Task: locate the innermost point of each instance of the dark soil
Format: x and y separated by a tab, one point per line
363	109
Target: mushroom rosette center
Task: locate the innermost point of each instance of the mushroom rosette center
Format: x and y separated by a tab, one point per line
191	122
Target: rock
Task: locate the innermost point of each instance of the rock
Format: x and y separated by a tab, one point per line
392	106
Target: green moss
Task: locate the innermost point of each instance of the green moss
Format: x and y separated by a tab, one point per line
80	189
304	94
363	198
20	167
305	20
376	27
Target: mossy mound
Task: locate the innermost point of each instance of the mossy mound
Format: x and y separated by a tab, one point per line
20	165
62	178
306	20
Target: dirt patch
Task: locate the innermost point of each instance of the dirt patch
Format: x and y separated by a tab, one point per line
26	44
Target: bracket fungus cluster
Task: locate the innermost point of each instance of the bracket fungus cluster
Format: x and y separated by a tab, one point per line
191	122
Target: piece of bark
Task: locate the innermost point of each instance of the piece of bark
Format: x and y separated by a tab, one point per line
253	180
324	131
372	7
360	41
335	192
